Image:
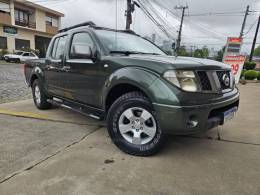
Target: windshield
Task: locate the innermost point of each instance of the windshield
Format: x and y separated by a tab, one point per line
124	42
18	53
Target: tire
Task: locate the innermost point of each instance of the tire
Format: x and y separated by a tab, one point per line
136	132
39	97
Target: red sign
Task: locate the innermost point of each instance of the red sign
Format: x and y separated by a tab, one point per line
234	40
236	63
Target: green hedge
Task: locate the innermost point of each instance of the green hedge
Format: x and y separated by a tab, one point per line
243	73
249	65
3	52
251	75
258	76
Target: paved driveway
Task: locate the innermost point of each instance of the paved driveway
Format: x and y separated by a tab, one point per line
64	153
12	86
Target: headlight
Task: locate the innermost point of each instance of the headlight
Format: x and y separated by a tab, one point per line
186	80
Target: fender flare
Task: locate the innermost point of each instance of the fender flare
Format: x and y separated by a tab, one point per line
36	71
137	77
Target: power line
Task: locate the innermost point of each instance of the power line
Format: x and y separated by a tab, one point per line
160	17
251	27
150	16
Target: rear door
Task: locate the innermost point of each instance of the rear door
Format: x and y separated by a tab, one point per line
54	67
82	80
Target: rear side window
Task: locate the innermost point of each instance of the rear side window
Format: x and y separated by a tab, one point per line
59	47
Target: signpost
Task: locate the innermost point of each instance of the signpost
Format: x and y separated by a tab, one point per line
236	63
233	46
233	57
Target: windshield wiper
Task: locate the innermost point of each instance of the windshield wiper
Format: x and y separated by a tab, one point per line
127	53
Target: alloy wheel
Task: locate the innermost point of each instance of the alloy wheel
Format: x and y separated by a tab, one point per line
137	126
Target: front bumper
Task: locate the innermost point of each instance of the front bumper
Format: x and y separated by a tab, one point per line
176	119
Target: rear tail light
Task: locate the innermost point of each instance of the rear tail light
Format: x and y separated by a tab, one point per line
23	68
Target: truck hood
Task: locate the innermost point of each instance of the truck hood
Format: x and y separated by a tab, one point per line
161	63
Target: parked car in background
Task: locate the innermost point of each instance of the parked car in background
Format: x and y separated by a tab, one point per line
20	56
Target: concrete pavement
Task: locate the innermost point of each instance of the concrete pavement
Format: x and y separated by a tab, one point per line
71	154
185	166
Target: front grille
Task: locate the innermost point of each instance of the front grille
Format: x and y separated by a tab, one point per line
204	81
214	81
220	75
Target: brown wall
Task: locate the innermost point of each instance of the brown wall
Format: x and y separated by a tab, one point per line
5	18
51	30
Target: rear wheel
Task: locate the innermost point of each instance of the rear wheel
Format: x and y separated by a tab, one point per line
39	97
133	125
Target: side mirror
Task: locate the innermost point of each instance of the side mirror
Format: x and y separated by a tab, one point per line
81	51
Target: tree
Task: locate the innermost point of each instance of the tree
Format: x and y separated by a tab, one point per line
205	52
220	54
257	51
198	53
182	51
201	53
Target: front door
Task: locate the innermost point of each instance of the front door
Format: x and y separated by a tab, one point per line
82	77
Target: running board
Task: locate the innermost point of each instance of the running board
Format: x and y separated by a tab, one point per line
79	109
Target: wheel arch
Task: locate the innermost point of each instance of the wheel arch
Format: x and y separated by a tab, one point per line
120	89
36	73
126	80
33	78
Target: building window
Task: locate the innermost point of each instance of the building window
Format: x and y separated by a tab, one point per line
4	7
21	16
21	44
3	43
51	21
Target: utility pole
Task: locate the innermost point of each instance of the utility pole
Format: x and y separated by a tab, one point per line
253	45
178	45
128	13
244	22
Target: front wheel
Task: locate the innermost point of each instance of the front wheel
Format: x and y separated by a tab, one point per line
133	125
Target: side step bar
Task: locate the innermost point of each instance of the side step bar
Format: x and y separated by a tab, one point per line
84	110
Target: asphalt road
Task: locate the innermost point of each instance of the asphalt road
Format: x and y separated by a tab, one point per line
12	86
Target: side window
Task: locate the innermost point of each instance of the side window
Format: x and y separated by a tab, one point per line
54	48
26	54
59	47
32	55
82	38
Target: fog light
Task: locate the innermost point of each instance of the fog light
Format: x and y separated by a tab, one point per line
192	123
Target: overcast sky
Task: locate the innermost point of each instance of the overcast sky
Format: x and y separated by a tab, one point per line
198	30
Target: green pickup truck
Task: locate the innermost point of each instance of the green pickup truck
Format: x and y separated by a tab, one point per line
141	92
